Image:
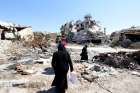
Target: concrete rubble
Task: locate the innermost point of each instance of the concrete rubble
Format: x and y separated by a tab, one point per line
120	59
42	40
11	31
97	71
83	31
26	66
30	67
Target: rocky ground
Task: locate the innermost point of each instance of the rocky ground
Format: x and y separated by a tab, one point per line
28	70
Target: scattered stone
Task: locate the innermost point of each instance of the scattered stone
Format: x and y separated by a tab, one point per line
26	61
25	73
136	73
90	78
39	62
42	56
43	61
95	68
11	67
118	60
18	85
13	58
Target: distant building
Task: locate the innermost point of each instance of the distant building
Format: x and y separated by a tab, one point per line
83	31
132	33
129	37
10	31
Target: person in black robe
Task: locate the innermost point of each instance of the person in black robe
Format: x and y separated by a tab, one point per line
3	35
84	54
61	62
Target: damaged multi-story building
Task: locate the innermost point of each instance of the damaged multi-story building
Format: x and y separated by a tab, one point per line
83	31
129	37
11	31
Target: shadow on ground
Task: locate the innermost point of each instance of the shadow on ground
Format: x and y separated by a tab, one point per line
51	90
48	71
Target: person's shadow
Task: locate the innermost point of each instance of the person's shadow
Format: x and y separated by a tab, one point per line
48	71
51	90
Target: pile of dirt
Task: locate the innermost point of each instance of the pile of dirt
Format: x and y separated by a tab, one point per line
136	56
120	59
98	71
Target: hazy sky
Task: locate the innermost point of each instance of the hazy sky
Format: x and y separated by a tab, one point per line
49	15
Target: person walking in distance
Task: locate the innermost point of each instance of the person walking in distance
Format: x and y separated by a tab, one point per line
84	54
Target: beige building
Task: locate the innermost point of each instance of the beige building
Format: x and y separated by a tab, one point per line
11	31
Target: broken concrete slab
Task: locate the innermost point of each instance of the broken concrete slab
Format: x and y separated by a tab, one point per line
11	31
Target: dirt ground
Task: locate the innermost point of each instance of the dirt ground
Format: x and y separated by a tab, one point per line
124	81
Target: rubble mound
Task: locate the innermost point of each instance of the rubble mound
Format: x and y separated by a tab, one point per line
136	56
12	31
85	31
120	59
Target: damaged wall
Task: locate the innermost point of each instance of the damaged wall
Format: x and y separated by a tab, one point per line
26	34
12	31
84	31
128	38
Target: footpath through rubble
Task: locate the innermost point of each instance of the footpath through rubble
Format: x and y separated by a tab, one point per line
28	70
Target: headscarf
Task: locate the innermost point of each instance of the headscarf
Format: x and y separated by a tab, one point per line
61	47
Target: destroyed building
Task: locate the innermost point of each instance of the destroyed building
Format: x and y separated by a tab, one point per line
129	37
52	36
11	31
83	31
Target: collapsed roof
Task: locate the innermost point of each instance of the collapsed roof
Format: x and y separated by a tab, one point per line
8	26
82	31
13	31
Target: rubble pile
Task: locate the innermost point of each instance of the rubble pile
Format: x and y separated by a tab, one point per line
83	31
39	40
136	56
42	40
91	72
35	64
12	31
20	70
13	51
119	60
21	59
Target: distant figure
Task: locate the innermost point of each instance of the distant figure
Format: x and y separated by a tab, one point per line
3	35
61	62
84	54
